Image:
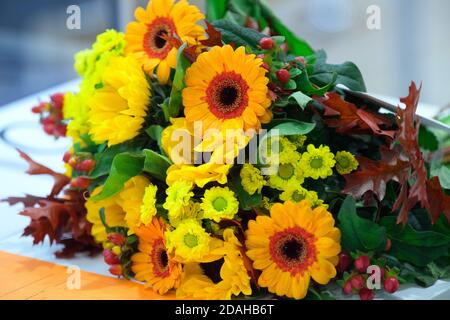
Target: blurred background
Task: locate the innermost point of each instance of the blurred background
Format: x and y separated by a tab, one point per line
36	47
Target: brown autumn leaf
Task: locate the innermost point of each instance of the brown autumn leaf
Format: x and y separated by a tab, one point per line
349	119
214	36
35	168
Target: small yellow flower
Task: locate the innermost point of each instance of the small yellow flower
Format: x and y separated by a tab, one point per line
298	140
189	242
345	162
148	207
178	196
251	179
279	149
266	203
289	174
191	211
317	162
219	203
298	194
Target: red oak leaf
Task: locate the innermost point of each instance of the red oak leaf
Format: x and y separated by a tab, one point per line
214	36
373	175
348	118
35	168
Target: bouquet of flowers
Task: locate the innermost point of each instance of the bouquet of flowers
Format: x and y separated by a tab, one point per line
224	157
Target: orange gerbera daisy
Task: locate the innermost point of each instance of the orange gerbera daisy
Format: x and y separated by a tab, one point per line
145	38
292	245
153	264
227	88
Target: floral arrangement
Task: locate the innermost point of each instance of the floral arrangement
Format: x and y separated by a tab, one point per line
221	158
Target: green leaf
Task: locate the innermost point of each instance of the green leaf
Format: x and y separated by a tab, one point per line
301	99
176	101
240	36
124	167
105	158
156	165
155	132
427	139
246	202
347	74
359	234
296	45
443	172
215	9
290	127
417	247
306	86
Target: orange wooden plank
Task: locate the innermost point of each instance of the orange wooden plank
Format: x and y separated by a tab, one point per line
25	278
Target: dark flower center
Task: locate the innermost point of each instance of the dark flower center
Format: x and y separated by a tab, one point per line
160	260
160	41
155	42
228	95
163	258
292	249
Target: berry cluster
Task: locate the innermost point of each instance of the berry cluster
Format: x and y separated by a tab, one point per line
117	252
51	115
356	276
83	163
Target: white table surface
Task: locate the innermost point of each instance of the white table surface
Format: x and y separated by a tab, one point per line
15	182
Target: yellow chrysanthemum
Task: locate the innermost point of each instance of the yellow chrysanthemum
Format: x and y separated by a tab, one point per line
291	246
153	264
219	203
289	174
189	242
345	162
199	175
234	279
146	37
227	86
178	196
90	65
114	215
299	194
191	211
298	140
266	203
251	179
178	142
279	149
130	199
317	162
118	109
148	206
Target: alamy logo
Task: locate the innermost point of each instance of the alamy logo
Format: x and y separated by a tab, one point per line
73	21
373	17
74	279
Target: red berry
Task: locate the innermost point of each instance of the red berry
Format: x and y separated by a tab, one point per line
48	121
116	238
58	100
357	282
36	109
110	258
283	76
67	156
361	264
49	128
86	165
366	294
391	284
301	60
266	43
73	162
266	66
344	262
116	270
347	289
80	182
61	130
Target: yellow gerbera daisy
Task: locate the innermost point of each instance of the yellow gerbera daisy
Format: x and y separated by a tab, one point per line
345	162
178	196
153	264
251	179
289	174
234	278
299	194
148	206
226	85
118	109
189	242
178	142
292	245
146	40
317	162
219	203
